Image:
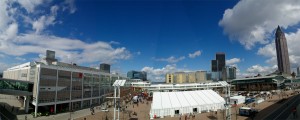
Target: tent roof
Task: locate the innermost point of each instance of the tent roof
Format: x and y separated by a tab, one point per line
167	100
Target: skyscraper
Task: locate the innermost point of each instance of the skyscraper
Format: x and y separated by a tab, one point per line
218	67
218	64
214	65
283	61
105	68
220	57
298	71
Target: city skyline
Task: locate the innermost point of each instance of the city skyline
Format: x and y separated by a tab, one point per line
156	37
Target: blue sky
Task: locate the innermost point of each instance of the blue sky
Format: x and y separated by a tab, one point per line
158	37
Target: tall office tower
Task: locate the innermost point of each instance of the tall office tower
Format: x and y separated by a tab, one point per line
105	68
231	72
214	65
220	57
283	61
217	66
298	71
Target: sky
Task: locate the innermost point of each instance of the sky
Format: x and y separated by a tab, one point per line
157	36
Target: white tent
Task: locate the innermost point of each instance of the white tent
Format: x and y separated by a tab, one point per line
237	99
172	103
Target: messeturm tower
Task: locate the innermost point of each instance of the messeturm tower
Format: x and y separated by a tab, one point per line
283	61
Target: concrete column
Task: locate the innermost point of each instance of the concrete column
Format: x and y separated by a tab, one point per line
55	99
26	103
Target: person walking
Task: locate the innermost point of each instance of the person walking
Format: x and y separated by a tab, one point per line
294	110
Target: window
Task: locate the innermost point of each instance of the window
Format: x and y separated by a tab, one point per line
195	110
23	75
176	112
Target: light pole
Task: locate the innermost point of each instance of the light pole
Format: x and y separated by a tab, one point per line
227	105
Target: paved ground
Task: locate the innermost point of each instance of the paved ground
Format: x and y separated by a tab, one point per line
143	109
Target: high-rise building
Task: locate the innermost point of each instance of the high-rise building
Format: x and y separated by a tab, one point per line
218	67
214	65
283	61
220	57
209	76
105	68
137	75
231	73
298	71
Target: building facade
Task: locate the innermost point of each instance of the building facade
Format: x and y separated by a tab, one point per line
60	87
298	71
137	75
231	73
201	76
186	77
218	67
169	78
180	77
261	83
191	77
220	57
283	61
214	65
105	68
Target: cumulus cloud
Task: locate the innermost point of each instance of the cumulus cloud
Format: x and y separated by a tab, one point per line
233	61
195	54
45	20
293	42
157	74
261	69
30	5
70	5
4	66
68	50
252	22
171	59
19	43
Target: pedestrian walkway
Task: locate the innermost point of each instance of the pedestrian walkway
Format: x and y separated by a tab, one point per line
297	115
60	116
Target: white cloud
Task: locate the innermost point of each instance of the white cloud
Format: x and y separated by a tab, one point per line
68	50
157	74
268	50
114	42
4	66
262	69
45	20
20	59
233	61
252	22
195	54
70	5
30	5
2	56
4	17
293	42
171	59
17	43
139	53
